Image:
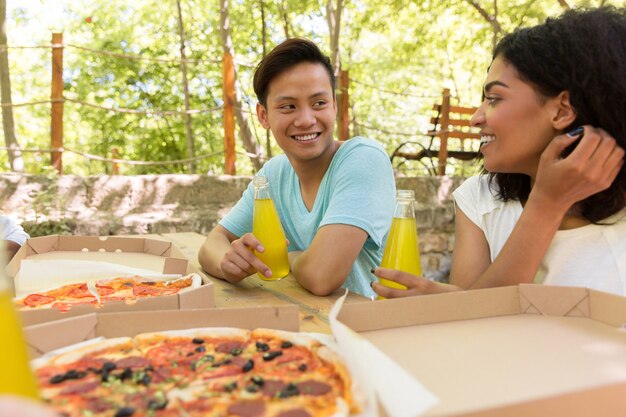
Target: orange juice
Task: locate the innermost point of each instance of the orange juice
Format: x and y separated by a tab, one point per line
16	376
401	252
267	228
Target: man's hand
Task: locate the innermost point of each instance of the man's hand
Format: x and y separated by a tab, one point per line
240	261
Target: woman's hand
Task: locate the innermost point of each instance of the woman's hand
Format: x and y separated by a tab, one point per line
415	285
590	168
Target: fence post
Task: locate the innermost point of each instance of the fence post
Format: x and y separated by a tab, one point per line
56	96
228	77
443	137
343	115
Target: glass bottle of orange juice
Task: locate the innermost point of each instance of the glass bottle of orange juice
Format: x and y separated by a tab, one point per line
16	376
267	228
401	251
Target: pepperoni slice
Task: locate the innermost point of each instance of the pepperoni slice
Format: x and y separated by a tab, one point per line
229	346
104	290
132	362
247	409
148	290
35	300
78	291
297	412
314	388
272	387
80	388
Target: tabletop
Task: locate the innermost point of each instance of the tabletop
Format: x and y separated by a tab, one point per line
253	291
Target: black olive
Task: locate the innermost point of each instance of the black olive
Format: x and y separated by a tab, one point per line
125	412
236	351
252	389
224	362
155	404
145	380
262	347
189	354
248	365
286	345
257	380
200	349
290	390
230	387
57	379
302	367
108	366
126	373
271	355
74	374
197	341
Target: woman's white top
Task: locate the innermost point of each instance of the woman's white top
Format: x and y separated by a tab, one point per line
592	256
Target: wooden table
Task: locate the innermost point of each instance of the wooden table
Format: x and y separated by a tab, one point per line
253	291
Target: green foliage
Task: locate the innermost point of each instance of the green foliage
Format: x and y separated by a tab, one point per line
400	55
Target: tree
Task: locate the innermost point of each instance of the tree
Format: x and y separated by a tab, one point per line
183	68
250	144
14	150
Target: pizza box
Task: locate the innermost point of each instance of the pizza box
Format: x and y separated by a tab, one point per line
134	253
45	337
527	350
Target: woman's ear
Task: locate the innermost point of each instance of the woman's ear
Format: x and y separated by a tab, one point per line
564	112
261	114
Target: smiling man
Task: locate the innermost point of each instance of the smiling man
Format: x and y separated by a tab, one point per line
335	199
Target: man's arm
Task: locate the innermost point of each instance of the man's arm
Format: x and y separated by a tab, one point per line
11	249
326	263
224	255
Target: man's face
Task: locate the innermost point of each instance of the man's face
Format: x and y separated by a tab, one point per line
301	112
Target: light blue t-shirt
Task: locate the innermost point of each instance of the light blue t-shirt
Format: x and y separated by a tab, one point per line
358	189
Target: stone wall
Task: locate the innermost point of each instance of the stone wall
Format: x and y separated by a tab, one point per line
111	205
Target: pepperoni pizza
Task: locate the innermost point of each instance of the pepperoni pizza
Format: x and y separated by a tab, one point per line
203	372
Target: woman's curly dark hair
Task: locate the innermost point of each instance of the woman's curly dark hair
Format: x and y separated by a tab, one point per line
583	52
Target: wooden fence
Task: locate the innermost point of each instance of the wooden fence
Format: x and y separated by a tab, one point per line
57	101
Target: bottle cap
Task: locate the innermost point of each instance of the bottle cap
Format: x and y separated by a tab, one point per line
405	194
259	180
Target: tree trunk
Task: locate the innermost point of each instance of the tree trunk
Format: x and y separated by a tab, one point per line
283	14
15	153
191	166
333	17
250	144
268	140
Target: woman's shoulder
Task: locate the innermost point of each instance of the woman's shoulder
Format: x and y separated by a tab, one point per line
478	185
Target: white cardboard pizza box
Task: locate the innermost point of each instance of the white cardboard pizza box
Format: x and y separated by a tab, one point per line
45	337
527	350
127	253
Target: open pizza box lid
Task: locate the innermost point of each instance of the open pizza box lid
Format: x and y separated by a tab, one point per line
45	337
48	262
527	350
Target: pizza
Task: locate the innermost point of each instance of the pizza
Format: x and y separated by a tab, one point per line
127	289
214	372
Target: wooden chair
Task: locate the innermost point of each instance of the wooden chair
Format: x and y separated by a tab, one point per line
451	128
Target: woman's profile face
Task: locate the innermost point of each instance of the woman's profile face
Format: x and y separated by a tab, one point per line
514	120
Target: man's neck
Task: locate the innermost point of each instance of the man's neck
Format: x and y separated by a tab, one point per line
311	174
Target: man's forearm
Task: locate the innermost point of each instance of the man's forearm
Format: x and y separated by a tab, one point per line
212	252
